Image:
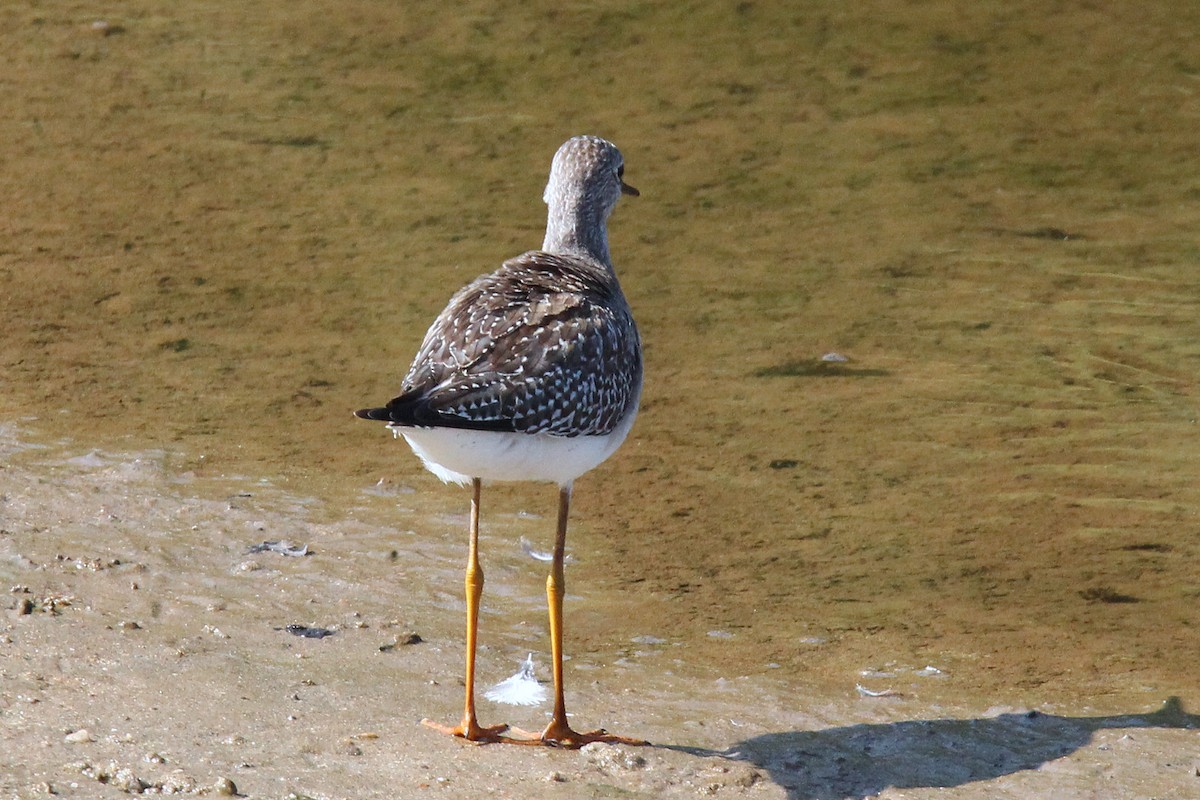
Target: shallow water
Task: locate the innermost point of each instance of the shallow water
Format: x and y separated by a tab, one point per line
226	228
152	647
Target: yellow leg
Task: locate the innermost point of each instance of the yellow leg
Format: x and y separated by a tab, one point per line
558	733
470	729
556	588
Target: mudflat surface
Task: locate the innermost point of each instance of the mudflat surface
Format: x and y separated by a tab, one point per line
150	649
225	228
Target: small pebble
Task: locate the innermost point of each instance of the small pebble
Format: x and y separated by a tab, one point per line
556	777
126	780
80	736
225	788
308	632
409	638
282	547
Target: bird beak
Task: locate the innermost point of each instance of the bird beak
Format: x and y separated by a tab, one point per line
629	190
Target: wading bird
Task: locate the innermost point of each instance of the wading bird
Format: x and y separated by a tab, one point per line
531	373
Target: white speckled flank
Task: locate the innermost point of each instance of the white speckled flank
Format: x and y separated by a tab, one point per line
532	372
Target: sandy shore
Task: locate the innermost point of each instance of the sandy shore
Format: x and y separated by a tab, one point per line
145	650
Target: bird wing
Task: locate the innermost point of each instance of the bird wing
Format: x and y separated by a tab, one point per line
546	344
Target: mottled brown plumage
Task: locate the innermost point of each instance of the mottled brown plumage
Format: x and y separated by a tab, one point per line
546	344
533	372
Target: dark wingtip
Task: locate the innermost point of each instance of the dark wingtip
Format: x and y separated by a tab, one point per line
405	411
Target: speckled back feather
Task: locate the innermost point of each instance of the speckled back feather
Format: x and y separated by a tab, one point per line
546	344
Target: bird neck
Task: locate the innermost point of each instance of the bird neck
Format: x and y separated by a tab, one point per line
578	229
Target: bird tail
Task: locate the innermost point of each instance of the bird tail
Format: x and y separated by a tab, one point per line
414	411
406	410
377	414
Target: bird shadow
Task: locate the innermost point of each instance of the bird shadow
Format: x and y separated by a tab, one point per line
860	761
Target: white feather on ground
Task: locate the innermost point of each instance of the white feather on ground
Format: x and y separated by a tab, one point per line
522	689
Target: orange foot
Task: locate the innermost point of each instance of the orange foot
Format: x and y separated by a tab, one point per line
470	730
559	734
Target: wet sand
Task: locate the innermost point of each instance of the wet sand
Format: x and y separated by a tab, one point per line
225	229
148	651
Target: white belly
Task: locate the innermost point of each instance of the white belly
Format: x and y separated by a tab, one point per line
456	455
